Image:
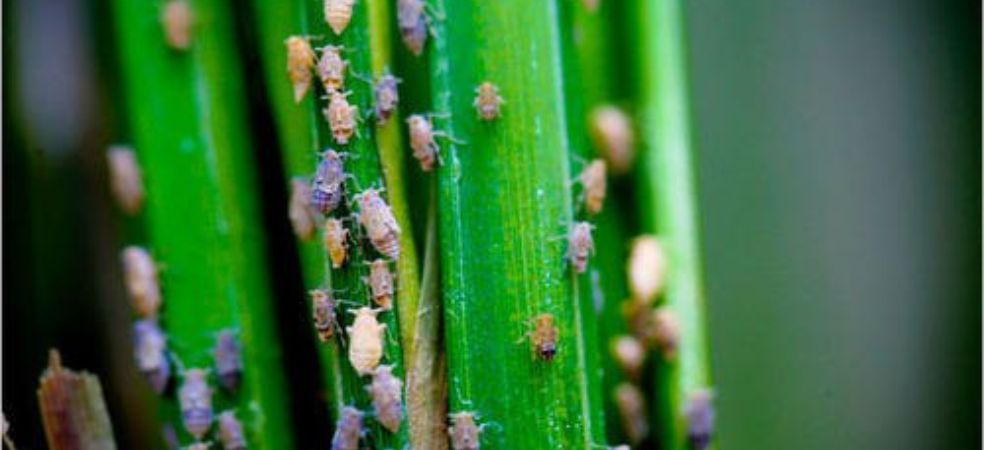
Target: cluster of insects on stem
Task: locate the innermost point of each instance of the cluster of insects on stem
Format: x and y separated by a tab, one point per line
152	355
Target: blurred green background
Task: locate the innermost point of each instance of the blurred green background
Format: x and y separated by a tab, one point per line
839	149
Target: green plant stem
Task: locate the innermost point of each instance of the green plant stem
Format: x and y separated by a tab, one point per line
188	125
668	203
376	159
505	208
589	65
297	127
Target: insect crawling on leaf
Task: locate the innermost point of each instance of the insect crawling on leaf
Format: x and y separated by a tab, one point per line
423	140
646	269
412	20
125	178
336	242
323	311
594	180
580	246
544	337
177	21
342	117
366	347
328	182
150	352
700	418
331	68
231	431
348	430
142	282
464	432
666	331
381	283
487	101
228	360
387	397
387	97
611	132
302	217
377	218
338	14
631	405
195	399
300	61
630	355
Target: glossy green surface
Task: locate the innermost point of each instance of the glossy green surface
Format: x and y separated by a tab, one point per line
505	207
186	112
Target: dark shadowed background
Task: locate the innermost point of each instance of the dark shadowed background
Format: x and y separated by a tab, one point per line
839	149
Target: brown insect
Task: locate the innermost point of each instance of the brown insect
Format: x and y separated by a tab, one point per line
387	397
387	97
580	246
328	183
150	352
331	67
381	284
422	141
611	132
366	334
464	432
336	242
631	405
195	398
341	116
646	269
142	283
630	355
377	219
302	217
487	101
594	180
348	430
700	419
228	360
300	61
177	21
544	337
666	331
125	178
338	14
413	24
231	431
323	310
